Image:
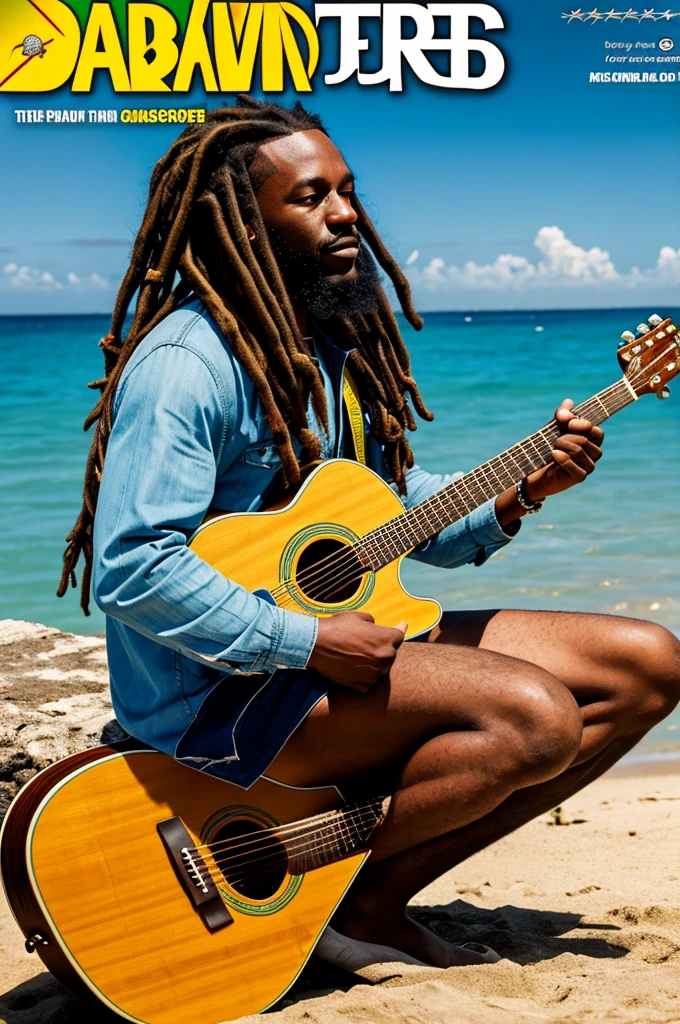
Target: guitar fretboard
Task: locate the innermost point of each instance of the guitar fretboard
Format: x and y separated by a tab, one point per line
416	525
337	835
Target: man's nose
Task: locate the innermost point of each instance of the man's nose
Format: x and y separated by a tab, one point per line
339	211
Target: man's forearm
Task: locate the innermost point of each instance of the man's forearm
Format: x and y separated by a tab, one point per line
508	508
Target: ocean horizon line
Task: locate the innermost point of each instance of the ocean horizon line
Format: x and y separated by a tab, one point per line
462	311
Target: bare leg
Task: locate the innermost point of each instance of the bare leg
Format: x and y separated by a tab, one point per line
450	734
460	791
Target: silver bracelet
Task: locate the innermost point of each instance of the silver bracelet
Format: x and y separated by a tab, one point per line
530	507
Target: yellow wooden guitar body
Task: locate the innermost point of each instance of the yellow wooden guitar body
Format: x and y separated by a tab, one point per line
339	503
111	906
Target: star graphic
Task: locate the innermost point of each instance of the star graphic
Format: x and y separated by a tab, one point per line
578	15
630	15
594	15
612	15
648	13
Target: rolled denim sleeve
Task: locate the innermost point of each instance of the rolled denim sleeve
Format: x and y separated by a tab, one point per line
472	539
171	422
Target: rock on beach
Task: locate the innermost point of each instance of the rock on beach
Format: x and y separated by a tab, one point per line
54	699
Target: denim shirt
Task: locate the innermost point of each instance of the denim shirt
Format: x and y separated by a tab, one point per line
189	433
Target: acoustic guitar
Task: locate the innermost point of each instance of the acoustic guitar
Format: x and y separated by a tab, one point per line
173	897
338	544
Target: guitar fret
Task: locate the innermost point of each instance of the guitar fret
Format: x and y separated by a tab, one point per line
492	469
514	461
538	452
461	483
338	834
487	481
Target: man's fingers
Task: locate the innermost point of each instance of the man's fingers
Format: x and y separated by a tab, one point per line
577	453
564	413
402	627
586	429
578	425
574	443
565	462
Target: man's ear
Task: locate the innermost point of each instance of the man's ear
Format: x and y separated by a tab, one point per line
250	233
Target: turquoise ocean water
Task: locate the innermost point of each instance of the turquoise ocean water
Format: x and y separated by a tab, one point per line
611	545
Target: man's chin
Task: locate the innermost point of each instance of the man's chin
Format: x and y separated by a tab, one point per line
329	285
337	271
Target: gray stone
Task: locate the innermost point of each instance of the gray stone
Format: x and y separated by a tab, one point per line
54	700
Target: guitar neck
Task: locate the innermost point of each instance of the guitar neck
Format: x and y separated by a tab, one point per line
416	525
333	836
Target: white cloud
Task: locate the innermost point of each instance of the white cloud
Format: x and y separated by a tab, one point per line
563	258
413	257
97	281
32	279
29	279
563	265
668	264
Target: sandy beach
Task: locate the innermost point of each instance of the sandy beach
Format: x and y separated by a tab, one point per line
586	913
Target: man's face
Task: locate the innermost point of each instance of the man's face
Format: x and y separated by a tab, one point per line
306	203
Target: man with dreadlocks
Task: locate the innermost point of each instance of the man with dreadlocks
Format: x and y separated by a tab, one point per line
256	291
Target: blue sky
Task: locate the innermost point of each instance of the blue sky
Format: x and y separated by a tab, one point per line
547	191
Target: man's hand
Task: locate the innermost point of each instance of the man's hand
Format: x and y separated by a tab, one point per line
351	650
574	455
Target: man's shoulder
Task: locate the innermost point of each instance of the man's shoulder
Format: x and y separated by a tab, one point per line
189	328
193	335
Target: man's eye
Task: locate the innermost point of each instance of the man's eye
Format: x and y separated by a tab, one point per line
311	198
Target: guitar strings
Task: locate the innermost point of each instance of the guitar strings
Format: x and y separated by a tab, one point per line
353	548
350	554
354	812
341	577
350	572
332	571
470	480
218	876
307	844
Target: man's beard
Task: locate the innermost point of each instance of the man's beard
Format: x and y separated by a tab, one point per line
306	282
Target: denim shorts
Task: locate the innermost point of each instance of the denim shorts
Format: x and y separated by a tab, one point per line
245	721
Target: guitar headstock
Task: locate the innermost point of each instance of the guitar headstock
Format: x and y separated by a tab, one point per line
651	358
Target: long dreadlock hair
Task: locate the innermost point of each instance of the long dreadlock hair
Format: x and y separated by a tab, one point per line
193	240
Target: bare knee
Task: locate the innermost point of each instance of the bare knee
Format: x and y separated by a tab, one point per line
541	729
651	655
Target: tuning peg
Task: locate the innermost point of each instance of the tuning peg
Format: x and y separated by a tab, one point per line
642	328
654	319
626	338
664	393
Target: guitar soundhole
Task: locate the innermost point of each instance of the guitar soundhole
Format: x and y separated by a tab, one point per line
329	572
254	868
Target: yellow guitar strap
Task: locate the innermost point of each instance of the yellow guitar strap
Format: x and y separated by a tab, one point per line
355	416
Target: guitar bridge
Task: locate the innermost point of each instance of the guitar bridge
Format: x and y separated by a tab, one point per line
193	874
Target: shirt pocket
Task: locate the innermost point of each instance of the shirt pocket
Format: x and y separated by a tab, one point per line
263	455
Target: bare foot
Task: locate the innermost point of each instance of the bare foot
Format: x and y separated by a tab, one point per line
404	934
